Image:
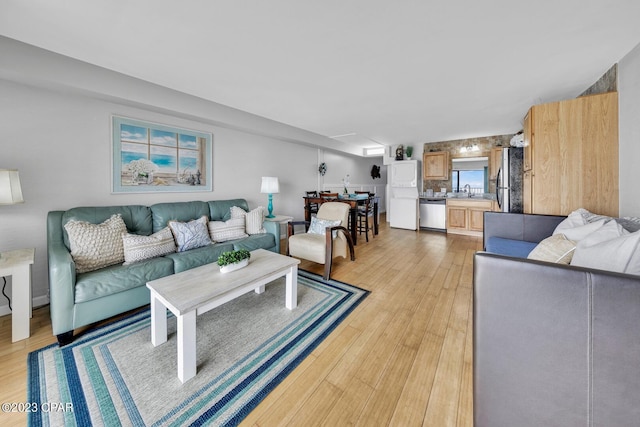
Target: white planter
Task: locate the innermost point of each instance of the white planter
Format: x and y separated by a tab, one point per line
231	267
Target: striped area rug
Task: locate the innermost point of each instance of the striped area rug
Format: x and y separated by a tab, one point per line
114	376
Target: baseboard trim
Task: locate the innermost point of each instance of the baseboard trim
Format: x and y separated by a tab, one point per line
36	302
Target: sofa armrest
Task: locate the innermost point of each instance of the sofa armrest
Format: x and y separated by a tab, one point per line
516	226
272	227
62	276
554	344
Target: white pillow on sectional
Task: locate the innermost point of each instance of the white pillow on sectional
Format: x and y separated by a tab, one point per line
573	220
580	232
621	254
610	230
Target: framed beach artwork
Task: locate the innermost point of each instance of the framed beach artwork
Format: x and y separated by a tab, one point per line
150	157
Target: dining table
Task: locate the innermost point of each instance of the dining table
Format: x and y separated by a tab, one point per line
354	200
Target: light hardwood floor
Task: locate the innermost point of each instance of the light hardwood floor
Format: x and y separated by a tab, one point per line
402	358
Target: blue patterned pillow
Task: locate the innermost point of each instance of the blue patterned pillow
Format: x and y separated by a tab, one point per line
318	226
192	234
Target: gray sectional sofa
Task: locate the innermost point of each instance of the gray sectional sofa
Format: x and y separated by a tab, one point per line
79	299
554	345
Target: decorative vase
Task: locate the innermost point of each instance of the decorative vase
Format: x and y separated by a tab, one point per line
235	266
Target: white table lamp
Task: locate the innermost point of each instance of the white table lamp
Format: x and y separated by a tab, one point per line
270	186
10	191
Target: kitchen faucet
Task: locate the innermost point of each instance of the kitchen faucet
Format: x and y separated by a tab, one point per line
467	189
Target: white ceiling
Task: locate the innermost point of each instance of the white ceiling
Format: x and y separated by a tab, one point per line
393	72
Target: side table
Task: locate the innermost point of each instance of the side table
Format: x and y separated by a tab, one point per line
282	219
17	264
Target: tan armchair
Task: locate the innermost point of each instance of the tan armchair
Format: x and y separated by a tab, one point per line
321	247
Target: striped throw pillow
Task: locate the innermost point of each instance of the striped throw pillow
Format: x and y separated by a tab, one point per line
138	248
221	231
253	219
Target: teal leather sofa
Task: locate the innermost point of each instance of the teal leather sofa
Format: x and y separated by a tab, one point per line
80	299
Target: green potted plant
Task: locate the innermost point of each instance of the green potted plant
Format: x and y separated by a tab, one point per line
409	151
233	260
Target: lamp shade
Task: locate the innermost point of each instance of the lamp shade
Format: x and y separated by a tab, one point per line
270	185
10	191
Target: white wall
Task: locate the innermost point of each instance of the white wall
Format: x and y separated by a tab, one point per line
629	126
59	137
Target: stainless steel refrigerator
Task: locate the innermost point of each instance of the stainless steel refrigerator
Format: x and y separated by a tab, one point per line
509	180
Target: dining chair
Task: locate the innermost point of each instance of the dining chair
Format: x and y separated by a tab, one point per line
313	207
326	238
365	211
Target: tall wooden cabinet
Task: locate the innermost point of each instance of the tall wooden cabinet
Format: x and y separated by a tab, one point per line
571	156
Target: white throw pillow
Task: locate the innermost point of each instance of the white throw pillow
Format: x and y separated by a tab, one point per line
192	234
556	249
610	230
95	246
573	220
621	254
580	232
221	231
254	219
138	248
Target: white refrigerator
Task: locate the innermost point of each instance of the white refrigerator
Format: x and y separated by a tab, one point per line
404	204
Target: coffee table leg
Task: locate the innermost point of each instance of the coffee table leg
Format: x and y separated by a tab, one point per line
158	322
187	346
259	289
291	299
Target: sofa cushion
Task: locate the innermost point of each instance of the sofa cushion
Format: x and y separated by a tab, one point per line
510	247
191	235
119	278
556	248
220	210
138	248
232	229
162	213
136	218
95	246
257	241
196	257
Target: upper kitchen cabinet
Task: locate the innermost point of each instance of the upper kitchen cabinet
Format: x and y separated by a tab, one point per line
436	165
572	156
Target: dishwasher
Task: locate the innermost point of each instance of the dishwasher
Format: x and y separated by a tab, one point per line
433	214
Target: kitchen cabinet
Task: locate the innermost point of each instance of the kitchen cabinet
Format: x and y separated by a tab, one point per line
436	165
466	216
527	163
571	156
495	162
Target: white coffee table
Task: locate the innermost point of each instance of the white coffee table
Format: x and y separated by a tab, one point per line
196	291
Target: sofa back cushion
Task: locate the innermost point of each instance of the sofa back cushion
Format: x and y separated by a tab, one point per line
136	218
177	211
220	210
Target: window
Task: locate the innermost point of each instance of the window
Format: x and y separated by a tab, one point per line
476	179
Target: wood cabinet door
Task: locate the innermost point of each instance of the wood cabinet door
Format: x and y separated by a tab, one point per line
457	217
527	191
527	152
476	219
436	165
495	162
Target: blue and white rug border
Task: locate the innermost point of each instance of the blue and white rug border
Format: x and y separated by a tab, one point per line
244	409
